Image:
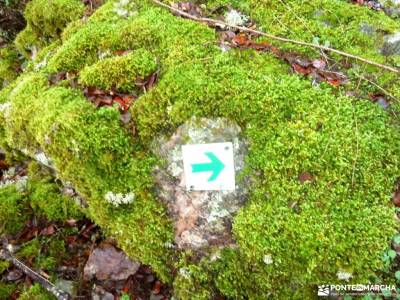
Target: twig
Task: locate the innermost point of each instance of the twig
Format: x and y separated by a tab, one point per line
281	39
377	86
357	151
59	294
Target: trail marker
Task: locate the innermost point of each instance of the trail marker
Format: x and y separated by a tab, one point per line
209	167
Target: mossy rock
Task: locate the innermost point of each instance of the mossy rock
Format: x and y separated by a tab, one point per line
36	292
12	210
292	234
9	65
45	22
120	73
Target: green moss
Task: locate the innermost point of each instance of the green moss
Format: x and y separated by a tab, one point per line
120	73
26	42
84	47
4	265
71	29
42	57
350	146
47	19
45	253
96	166
30	250
193	282
36	292
9	64
45	197
6	290
12	210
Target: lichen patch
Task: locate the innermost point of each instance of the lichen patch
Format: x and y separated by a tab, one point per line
201	218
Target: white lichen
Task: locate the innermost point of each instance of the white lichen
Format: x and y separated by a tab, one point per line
43	159
125	8
235	18
21	184
343	275
10	177
268	259
40	65
5	106
184	272
118	199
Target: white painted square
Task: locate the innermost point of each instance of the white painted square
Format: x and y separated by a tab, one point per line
209	167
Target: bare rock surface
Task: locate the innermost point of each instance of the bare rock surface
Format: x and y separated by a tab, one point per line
391	45
108	263
201	218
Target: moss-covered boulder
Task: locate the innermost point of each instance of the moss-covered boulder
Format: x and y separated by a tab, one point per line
320	166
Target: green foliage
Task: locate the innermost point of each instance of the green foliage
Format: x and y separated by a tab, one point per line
12	210
45	252
47	18
6	290
36	292
25	42
120	72
46	200
351	147
9	64
193	282
30	250
4	265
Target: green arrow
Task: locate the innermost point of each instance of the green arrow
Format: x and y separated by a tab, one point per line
215	166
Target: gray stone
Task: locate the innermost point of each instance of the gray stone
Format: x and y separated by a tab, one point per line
367	29
391	45
392	7
99	293
108	263
65	285
201	218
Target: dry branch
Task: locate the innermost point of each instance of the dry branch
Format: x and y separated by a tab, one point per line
59	294
215	23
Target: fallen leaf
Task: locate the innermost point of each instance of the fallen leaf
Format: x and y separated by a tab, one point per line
334	82
319	64
157	287
49	230
108	263
305	177
299	69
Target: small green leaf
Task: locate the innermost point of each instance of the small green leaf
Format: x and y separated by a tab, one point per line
315	40
392	254
397	275
396	239
327	44
386	292
125	297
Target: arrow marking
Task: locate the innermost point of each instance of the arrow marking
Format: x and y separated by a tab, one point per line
215	166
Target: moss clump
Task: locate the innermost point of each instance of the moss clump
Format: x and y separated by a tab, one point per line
30	250
45	22
46	253
47	19
4	265
308	231
120	73
12	210
6	290
46	199
9	65
105	162
26	43
36	292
